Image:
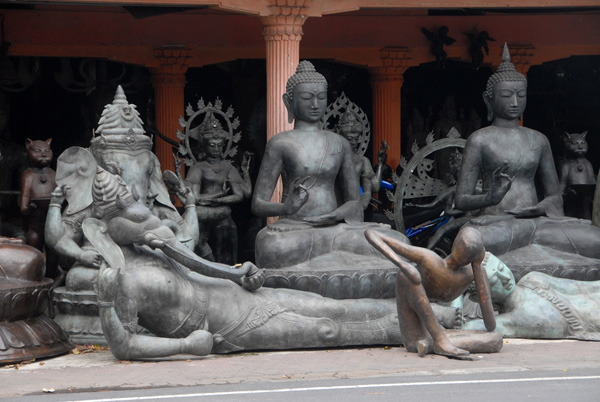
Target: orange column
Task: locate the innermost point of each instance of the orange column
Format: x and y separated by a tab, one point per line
387	85
169	82
282	35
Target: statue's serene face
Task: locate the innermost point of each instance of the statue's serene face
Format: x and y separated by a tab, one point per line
509	99
214	147
502	282
309	102
352	137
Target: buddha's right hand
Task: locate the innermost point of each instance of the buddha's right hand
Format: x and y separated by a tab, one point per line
501	183
297	197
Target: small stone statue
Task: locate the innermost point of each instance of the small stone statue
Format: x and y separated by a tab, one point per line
508	156
438	41
441	280
217	185
351	128
37	184
478	41
541	306
577	178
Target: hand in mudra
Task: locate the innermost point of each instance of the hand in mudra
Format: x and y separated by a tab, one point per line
297	197
501	183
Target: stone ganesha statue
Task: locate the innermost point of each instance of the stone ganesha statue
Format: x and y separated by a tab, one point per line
120	147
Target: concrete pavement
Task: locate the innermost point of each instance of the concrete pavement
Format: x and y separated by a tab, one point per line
99	370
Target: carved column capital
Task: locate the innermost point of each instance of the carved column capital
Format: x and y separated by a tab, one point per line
522	57
285	20
173	59
394	62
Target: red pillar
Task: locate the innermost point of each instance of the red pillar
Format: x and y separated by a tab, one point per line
387	85
169	82
282	36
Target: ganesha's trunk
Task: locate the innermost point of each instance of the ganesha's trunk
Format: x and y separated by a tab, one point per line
186	257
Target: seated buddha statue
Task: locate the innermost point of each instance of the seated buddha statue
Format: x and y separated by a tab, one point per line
508	158
321	209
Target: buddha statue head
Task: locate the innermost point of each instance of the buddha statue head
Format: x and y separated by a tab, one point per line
506	90
306	94
213	137
351	128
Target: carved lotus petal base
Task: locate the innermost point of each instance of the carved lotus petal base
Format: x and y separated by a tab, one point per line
551	262
339	275
32	338
25	332
77	315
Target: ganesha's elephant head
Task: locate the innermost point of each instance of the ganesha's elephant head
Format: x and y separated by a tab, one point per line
121	147
136	164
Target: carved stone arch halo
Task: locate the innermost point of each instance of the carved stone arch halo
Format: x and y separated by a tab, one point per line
337	109
190	134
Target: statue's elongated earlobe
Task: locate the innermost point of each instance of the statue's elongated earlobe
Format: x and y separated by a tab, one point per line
490	112
287	101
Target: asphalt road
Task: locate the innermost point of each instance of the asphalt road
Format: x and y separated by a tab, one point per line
532	370
574	386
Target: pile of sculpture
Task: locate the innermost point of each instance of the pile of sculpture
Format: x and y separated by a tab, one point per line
37	183
577	178
216	183
434	278
119	147
193	306
317	223
541	306
26	332
508	157
197	307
